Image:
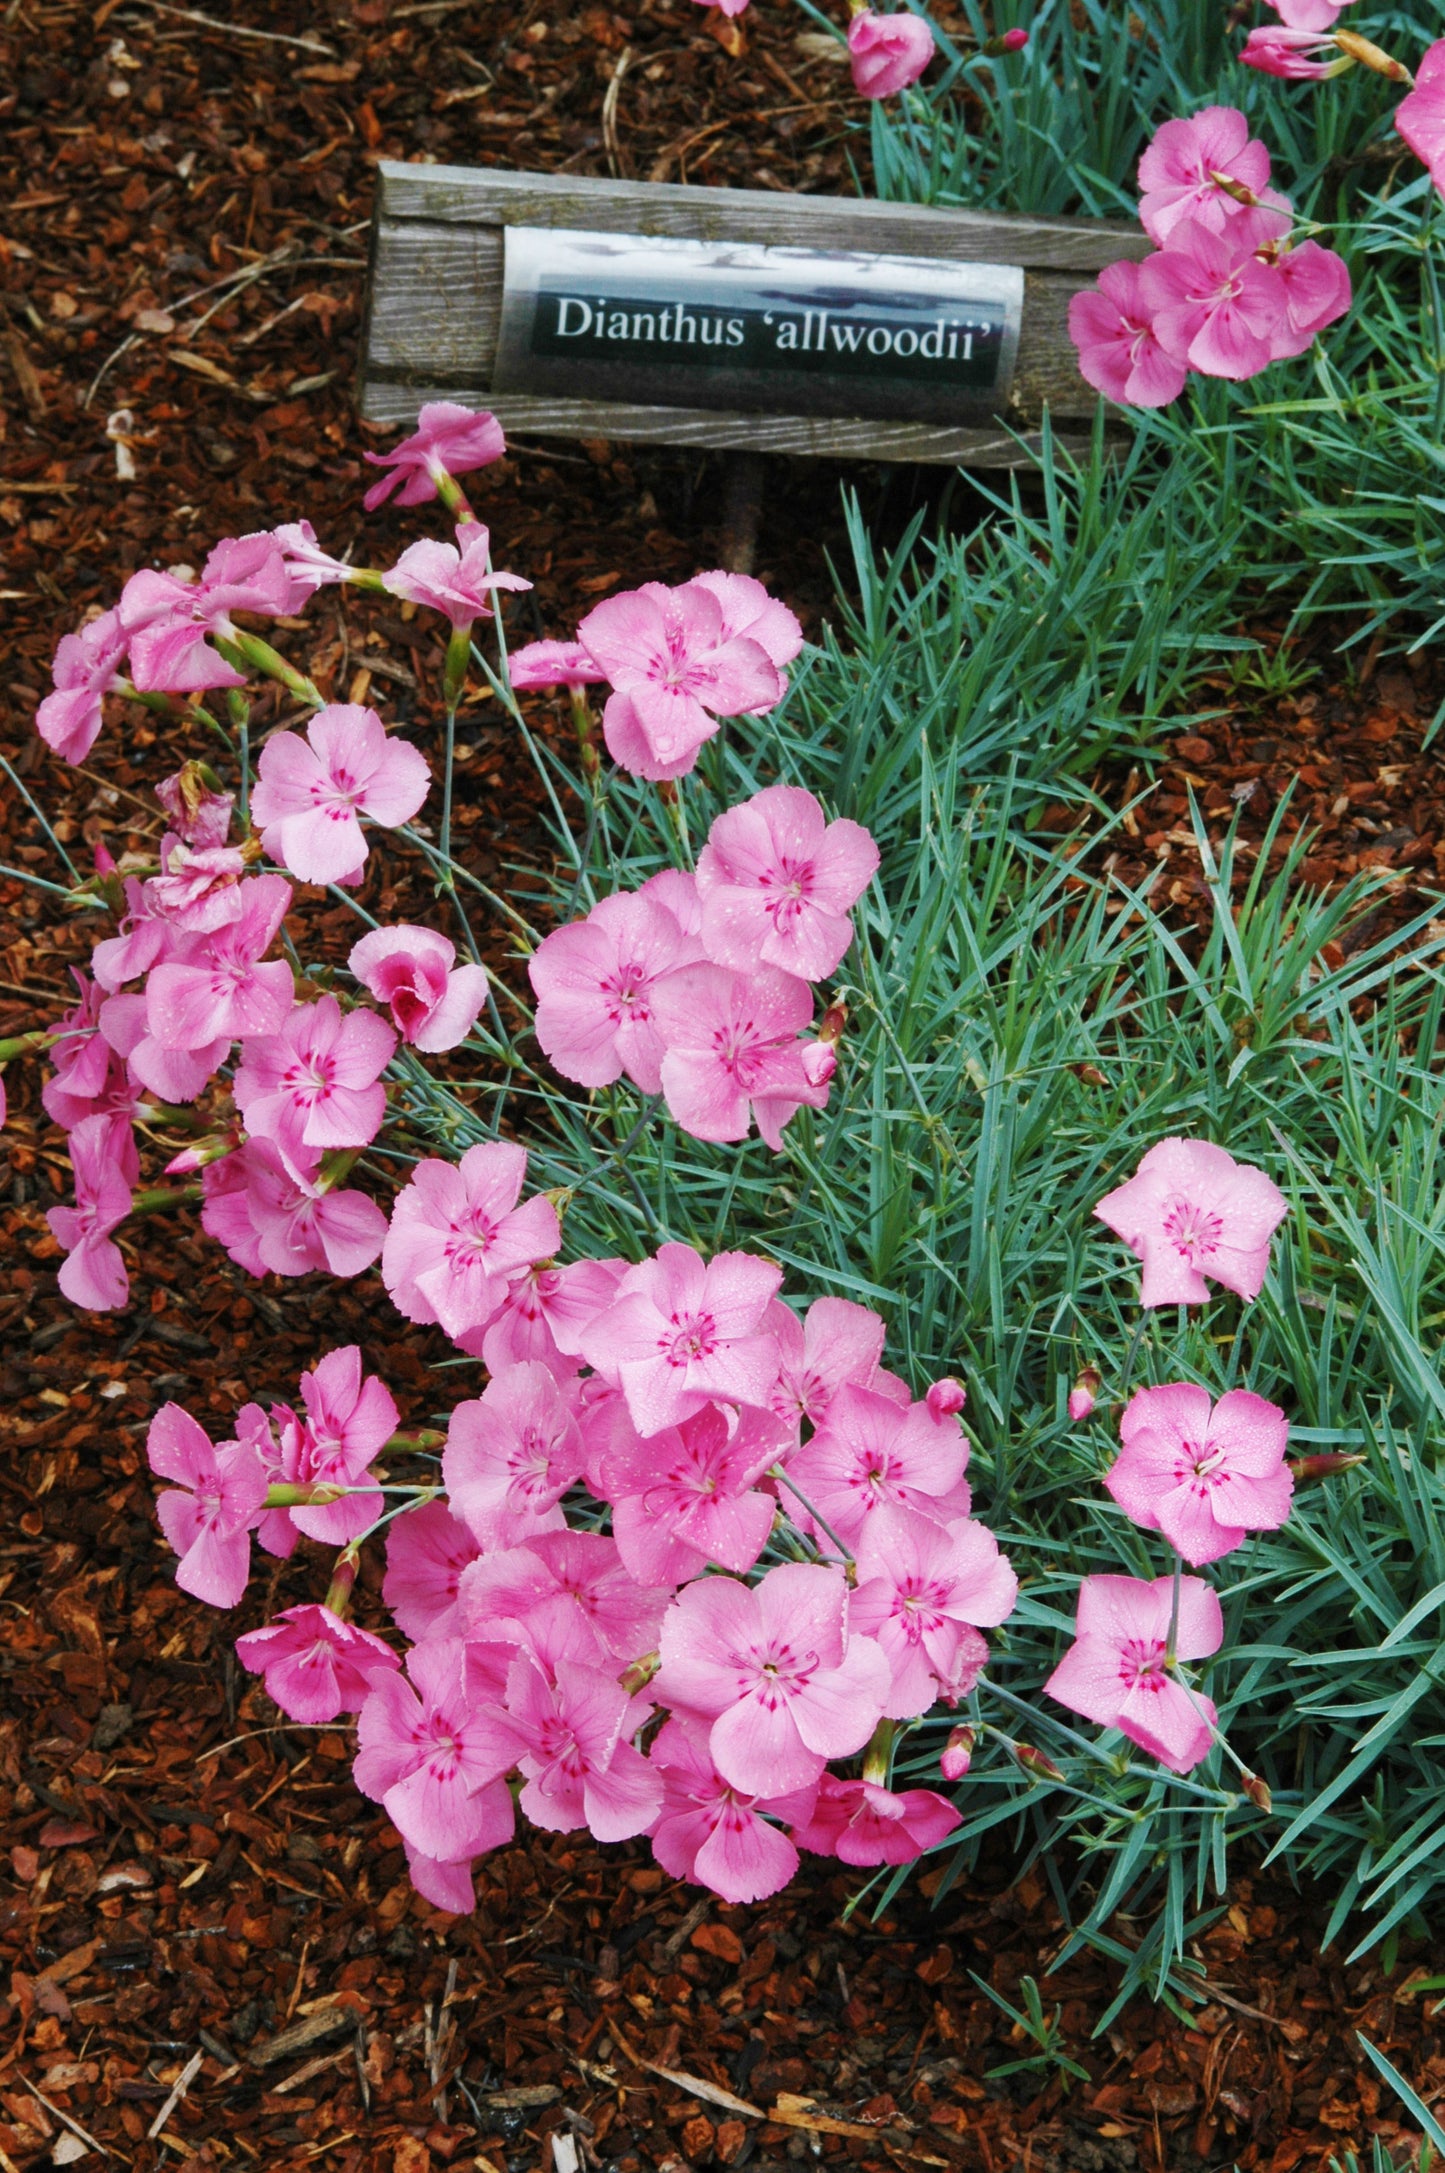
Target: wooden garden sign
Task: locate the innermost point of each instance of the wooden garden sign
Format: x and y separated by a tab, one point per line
725	318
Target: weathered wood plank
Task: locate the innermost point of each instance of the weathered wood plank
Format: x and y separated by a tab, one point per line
460	195
710	429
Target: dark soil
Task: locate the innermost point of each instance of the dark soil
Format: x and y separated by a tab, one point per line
211	1950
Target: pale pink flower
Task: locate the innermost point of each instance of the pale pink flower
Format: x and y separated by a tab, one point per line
595	981
86	666
226	992
1420	115
581	1769
315	1664
563	1594
732	1054
773	1668
174	1075
748	609
726	7
687	1498
456	580
1210	305
317	1083
835	1343
676	888
433	1755
1316	292
676	670
311	793
458	1237
553	663
167	621
777	881
449	1886
350	1416
1112	327
1115	1672
197	890
426	1551
861	1823
545	1313
868	1453
512	1451
433	1001
683	1333
448	440
1178	172
271	1216
208	1514
712	1833
1190	1211
1309	14
90	1078
199	816
145	938
887	52
924	1591
1296	55
93	1272
309	566
1206	1476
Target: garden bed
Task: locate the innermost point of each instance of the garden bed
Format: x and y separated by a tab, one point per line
188	1878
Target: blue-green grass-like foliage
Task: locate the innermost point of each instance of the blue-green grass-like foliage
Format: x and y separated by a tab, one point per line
1021	1031
1337	460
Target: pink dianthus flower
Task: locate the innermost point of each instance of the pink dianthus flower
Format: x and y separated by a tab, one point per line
310	793
1115	1671
207	1516
433	1001
682	1333
1190	1211
861	1823
1205	1475
448	440
777	881
887	52
458	1237
315	1664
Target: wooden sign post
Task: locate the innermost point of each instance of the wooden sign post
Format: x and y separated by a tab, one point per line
726	318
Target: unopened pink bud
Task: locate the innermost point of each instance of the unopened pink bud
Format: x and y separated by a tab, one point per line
1035	1763
200	1155
946	1399
104	861
957	1753
1085	1393
819	1062
1008	41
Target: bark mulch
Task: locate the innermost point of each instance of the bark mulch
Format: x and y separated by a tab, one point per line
210	1950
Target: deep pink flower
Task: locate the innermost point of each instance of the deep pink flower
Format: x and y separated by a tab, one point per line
676	670
1114	1672
683	1333
90	1078
1211	306
595	981
732	1054
458	1237
1206	1476
773	1668
308	797
1316	292
426	1551
1420	115
433	1001
777	881
168	621
93	1272
576	1729
513	1451
227	992
1296	55
836	1342
924	1591
433	1755
687	1498
448	440
861	1823
317	1083
1177	173
887	52
563	1595
86	665
869	1452
1190	1211
270	1215
207	1516
945	1399
1112	327
454	579
713	1834
553	663
315	1664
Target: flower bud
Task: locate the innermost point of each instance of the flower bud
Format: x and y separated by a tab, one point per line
946	1399
1085	1393
1257	1791
1325	1466
833	1021
1371	56
1009	41
957	1753
104	861
198	1156
819	1062
1035	1763
640	1673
